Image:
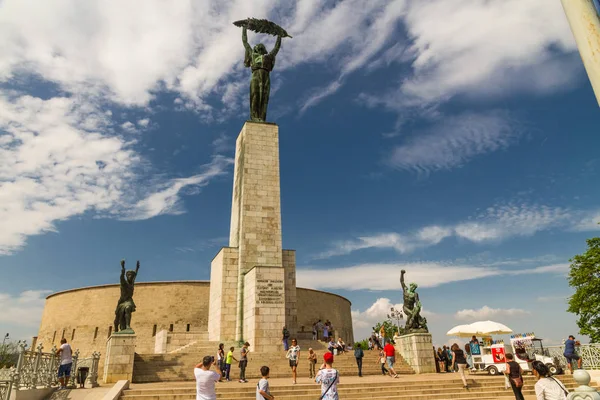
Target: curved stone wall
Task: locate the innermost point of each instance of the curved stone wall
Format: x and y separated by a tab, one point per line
315	304
85	316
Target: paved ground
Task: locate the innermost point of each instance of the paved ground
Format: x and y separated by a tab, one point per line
81	394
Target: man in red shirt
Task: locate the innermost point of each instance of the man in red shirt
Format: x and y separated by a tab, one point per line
390	355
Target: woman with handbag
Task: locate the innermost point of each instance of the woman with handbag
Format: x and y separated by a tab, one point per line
459	360
515	376
547	387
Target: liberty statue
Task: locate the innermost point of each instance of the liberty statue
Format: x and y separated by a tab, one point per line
261	63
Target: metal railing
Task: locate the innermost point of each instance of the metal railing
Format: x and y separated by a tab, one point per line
37	369
589	353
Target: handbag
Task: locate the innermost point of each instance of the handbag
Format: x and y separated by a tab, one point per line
518	381
330	385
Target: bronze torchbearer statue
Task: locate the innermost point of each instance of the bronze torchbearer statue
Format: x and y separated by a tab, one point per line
415	323
126	306
261	62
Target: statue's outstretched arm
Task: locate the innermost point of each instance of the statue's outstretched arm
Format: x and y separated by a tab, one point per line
275	50
402	279
245	39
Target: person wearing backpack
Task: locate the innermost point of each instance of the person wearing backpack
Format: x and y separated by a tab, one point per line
286	336
359	354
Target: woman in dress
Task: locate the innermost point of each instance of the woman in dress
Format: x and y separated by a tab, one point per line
441	356
547	387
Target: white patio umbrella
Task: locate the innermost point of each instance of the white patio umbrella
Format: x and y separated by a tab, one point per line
461	331
483	328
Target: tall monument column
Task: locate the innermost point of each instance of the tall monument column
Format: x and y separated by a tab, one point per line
252	286
253	281
584	19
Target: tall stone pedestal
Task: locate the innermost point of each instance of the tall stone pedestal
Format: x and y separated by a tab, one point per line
120	352
253	281
417	350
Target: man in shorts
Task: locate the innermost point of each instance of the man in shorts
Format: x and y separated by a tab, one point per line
390	355
570	353
66	362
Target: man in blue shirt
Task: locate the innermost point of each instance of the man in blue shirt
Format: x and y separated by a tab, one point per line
570	354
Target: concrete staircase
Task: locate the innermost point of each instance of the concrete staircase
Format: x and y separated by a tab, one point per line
415	387
178	365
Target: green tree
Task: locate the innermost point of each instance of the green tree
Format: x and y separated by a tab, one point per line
584	277
390	329
9	354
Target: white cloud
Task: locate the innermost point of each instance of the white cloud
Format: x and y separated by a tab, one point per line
129	53
58	159
166	200
496	223
560	269
223	143
386	276
24	310
485	313
144	122
377	312
54	164
129	127
453	141
507	220
552	299
484	48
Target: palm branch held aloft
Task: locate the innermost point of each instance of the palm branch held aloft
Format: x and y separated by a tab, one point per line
126	306
261	63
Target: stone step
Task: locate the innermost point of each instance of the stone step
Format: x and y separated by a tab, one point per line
179	366
442	390
174	376
402	383
492	388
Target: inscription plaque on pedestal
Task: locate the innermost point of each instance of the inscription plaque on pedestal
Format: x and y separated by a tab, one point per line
270	291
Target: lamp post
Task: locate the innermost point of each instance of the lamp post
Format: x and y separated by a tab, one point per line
397	316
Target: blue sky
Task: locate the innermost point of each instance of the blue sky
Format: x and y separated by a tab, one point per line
453	138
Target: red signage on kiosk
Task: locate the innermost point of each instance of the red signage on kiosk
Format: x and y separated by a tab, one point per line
498	354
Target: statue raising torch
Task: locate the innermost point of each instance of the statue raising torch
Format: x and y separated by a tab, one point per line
261	62
412	307
126	306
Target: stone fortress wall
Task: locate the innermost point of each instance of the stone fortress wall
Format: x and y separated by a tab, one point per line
85	316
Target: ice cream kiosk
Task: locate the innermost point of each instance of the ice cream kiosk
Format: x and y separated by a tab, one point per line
490	355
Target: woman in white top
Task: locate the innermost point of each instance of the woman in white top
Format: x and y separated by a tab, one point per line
547	387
